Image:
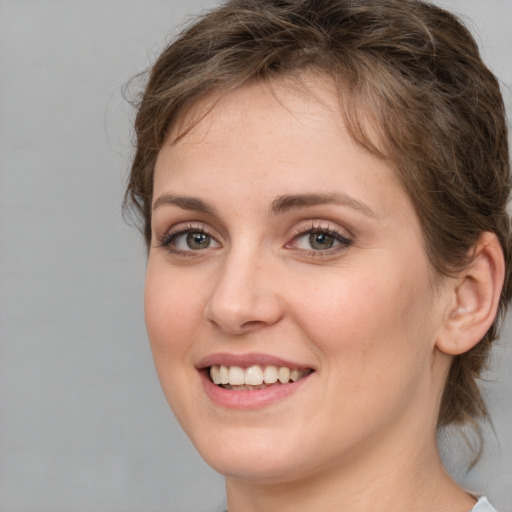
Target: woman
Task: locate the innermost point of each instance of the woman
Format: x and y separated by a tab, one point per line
323	187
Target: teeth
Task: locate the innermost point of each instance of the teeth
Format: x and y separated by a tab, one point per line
283	375
215	374
224	374
294	375
253	377
236	376
270	375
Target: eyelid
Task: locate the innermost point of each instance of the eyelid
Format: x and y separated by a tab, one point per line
181	229
320	226
342	236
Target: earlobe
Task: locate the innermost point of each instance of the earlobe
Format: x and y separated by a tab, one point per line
475	297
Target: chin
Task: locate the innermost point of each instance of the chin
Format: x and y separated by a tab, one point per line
256	456
257	469
243	455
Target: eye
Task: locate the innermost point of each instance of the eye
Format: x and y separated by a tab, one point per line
318	239
194	241
321	241
188	240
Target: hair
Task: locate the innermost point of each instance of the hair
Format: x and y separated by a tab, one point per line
410	68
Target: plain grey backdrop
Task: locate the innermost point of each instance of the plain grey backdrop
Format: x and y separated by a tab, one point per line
83	423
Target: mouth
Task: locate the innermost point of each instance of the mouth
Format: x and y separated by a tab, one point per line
254	377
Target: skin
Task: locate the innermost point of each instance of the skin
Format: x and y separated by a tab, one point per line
367	315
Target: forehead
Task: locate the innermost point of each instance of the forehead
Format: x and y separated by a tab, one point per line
317	100
285	135
297	94
257	114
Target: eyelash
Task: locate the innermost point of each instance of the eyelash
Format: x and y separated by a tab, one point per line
169	238
315	228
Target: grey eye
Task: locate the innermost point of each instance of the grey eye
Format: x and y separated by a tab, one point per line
321	241
197	240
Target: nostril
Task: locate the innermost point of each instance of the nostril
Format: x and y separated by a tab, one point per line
233	326
240	301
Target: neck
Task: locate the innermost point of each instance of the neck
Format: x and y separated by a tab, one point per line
389	482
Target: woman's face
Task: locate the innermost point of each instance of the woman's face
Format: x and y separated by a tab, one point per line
280	251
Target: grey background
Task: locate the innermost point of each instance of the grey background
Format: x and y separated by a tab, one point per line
83	423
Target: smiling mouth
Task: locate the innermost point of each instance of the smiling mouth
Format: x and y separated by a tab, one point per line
254	377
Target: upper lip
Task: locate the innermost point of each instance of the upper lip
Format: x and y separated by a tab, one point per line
246	360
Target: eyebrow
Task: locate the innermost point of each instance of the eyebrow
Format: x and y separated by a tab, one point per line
185	203
279	206
289	202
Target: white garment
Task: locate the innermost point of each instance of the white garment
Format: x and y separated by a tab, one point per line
483	506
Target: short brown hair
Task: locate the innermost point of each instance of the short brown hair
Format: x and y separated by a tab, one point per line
410	67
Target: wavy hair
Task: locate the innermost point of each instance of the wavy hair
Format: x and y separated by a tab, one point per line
409	67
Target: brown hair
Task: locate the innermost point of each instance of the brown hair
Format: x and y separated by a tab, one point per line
411	68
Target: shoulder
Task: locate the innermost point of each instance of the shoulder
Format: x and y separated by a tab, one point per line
483	505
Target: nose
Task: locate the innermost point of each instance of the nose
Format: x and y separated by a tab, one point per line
244	297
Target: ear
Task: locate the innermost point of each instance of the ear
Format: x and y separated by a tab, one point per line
474	297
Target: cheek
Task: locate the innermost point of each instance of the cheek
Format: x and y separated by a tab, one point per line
371	323
372	335
172	309
171	314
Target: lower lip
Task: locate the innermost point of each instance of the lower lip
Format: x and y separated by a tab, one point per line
254	399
